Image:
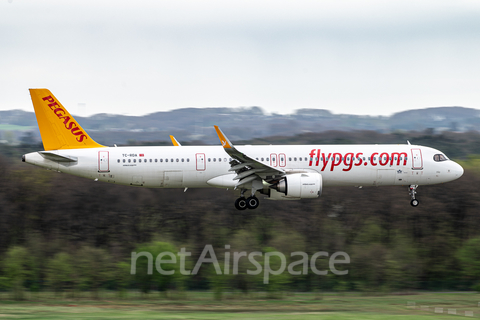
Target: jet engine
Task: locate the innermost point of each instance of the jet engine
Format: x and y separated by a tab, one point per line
297	186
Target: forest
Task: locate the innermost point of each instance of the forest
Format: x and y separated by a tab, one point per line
62	234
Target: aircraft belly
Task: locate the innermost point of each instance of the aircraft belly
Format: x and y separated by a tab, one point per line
359	177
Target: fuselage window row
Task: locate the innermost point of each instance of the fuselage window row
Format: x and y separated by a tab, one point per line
437	158
153	160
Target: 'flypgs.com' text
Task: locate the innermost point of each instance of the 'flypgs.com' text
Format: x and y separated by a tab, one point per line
350	159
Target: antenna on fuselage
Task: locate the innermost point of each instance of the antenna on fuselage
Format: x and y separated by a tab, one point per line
408	143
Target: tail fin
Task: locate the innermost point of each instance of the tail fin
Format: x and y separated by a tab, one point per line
57	127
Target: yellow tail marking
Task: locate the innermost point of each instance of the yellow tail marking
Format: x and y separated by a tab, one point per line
58	128
223	139
174	141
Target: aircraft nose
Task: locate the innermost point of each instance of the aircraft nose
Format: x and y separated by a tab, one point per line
457	170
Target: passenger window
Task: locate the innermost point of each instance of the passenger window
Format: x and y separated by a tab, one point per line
156	160
166	160
177	160
295	159
214	159
134	160
123	160
209	159
129	160
118	160
188	160
183	160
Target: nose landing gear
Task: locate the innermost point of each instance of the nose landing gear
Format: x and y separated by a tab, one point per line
412	192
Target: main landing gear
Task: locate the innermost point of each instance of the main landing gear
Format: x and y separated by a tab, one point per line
248	203
412	191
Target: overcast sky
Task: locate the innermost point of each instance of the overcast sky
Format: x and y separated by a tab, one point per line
137	57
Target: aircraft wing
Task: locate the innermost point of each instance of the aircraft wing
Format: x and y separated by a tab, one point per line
246	167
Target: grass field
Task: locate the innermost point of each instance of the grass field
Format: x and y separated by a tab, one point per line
200	305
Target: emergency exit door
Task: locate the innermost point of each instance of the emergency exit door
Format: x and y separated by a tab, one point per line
417	161
103	165
200	157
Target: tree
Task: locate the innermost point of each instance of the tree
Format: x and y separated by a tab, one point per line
94	268
60	272
17	267
469	256
147	273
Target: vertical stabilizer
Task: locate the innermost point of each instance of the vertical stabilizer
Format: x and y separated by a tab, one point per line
58	128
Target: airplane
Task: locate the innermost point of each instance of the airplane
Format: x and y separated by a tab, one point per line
280	172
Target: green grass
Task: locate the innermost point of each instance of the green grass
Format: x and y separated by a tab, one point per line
200	305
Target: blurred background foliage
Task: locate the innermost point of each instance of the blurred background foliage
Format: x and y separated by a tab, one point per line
69	235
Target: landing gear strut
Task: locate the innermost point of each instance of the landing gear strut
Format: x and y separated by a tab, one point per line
412	191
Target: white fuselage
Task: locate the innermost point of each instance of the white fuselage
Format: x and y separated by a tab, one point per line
208	166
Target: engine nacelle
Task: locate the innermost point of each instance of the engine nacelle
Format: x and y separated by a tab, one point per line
300	185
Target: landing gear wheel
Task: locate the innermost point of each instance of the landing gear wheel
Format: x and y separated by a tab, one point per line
412	191
241	203
252	202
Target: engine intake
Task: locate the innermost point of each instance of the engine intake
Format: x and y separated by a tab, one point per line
300	185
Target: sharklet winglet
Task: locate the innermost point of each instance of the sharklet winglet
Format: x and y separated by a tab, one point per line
175	142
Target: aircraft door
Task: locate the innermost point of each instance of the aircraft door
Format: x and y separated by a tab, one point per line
273	159
103	163
200	157
417	161
173	179
282	160
137	181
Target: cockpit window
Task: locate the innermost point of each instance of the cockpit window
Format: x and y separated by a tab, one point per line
439	157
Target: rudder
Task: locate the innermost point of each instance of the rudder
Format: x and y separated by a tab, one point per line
58	128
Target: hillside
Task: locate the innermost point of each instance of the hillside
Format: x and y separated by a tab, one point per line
193	124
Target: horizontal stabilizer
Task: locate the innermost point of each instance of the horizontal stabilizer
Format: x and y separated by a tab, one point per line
57	157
